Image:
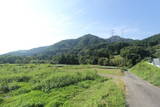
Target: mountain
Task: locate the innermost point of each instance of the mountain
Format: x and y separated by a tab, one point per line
89	49
118	39
151	41
63	46
27	52
84	41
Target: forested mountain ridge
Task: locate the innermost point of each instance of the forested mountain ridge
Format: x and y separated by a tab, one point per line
90	49
87	40
27	52
151	41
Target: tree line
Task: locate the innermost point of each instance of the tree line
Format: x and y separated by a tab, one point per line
115	54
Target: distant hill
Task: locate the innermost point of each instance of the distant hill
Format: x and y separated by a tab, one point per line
151	41
90	49
87	40
27	52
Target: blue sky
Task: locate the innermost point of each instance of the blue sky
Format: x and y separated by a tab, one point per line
25	24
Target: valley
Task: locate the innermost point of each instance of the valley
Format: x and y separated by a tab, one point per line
84	72
79	53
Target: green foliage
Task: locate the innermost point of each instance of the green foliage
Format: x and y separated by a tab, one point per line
148	72
103	61
4	87
1	100
50	85
66	59
84	50
134	54
100	95
117	61
89	49
151	41
156	51
59	80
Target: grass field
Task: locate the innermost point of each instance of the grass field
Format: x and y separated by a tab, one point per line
46	85
148	72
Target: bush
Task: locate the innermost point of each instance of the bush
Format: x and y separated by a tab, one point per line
23	79
14	87
103	61
4	87
1	100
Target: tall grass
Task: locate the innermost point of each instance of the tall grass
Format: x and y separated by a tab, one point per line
106	94
147	72
46	85
62	79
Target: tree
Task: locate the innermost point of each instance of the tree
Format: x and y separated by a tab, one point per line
134	54
65	59
103	61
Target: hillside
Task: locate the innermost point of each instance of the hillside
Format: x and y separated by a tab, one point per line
64	45
90	49
150	41
27	52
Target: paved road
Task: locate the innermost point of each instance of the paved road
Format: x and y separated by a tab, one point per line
141	93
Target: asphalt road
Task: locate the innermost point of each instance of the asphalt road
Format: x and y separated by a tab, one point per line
141	93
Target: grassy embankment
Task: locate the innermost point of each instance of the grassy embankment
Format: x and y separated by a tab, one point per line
47	85
147	72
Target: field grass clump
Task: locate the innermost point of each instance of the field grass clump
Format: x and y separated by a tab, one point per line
32	99
47	85
147	72
1	100
106	94
62	79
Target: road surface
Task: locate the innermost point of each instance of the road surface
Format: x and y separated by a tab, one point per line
141	93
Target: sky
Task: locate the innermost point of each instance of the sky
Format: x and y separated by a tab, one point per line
26	24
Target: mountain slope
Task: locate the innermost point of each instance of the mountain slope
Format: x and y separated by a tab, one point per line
65	45
151	41
27	52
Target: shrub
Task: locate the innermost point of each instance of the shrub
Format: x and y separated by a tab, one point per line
14	87
1	100
4	87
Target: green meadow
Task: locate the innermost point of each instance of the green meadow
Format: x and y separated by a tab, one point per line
47	85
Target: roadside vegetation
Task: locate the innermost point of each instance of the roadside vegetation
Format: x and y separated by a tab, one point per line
47	85
148	72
